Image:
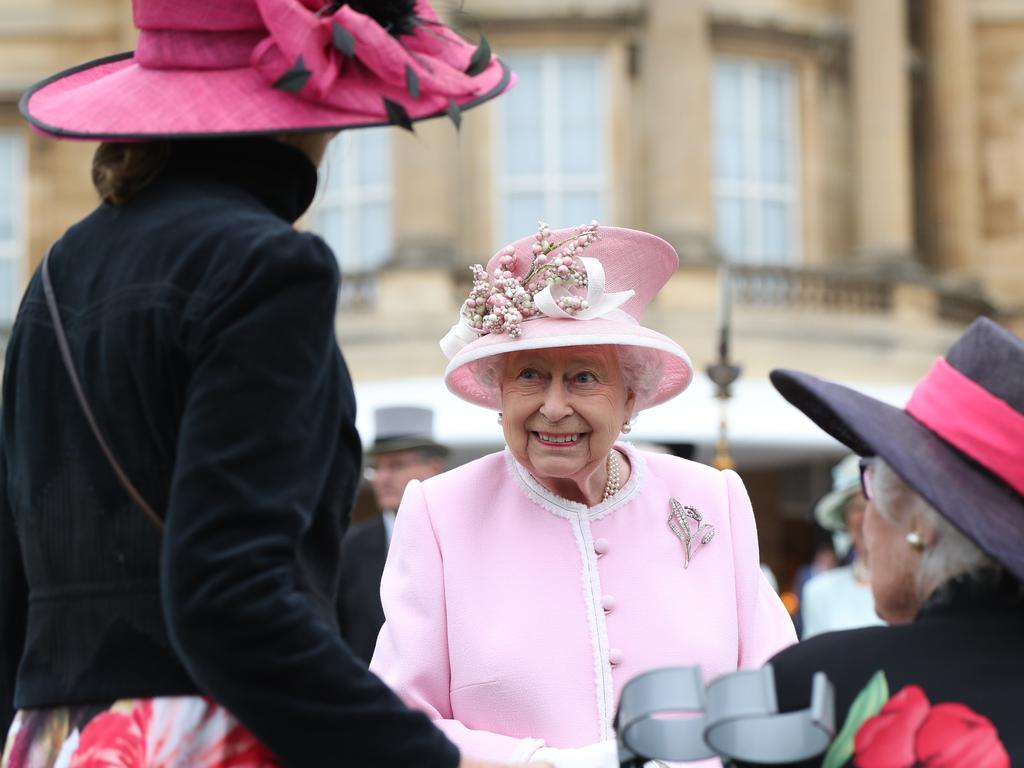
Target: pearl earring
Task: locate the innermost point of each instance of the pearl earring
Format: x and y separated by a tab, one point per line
627	428
914	540
501	419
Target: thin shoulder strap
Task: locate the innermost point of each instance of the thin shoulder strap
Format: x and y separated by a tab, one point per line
65	353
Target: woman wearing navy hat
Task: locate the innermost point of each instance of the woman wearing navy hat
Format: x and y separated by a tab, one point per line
944	531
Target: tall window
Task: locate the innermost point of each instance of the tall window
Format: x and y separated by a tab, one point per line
354	213
552	143
11	238
756	176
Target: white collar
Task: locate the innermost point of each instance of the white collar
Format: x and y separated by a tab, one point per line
388	518
569	509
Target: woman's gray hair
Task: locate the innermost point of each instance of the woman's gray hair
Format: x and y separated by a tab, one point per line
641	370
952	554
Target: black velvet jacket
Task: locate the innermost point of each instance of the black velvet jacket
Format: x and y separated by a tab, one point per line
964	646
202	326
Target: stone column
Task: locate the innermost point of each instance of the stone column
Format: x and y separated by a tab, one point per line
424	208
127	35
676	119
952	158
884	228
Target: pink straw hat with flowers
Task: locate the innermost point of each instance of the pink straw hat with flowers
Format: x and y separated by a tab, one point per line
248	67
586	286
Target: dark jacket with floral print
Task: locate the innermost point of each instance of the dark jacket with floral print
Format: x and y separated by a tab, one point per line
202	326
963	647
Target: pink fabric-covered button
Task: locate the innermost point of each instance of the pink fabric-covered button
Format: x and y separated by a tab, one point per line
600	546
608	603
615	657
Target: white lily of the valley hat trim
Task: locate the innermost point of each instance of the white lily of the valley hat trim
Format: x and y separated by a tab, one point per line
600	304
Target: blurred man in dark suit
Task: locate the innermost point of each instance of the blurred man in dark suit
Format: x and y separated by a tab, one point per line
404	449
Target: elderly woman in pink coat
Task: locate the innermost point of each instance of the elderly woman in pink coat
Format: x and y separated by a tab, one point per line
524	589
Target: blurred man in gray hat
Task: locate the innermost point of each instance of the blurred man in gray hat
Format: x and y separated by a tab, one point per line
403	450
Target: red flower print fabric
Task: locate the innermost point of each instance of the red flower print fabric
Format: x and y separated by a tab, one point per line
955	735
887	739
170	732
911	733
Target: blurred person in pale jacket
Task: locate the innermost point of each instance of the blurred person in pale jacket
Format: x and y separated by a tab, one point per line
840	598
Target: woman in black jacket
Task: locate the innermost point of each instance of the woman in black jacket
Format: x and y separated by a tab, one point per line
172	603
944	532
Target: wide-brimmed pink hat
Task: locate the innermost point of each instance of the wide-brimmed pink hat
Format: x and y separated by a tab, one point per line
542	292
249	67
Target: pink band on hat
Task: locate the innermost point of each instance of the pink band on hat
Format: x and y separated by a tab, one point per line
175	49
199	15
972	419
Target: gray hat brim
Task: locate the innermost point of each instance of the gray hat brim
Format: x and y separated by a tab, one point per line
395	444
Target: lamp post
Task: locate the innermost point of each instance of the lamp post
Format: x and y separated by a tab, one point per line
721	371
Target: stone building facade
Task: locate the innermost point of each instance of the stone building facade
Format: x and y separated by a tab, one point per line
858	164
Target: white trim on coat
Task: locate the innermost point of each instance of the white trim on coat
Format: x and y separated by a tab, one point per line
580	516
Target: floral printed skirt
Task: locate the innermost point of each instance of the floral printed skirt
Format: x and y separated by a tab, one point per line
169	732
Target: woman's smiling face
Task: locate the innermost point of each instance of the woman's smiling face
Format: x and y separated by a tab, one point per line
562	410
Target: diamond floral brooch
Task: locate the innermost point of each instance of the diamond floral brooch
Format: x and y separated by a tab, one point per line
680	520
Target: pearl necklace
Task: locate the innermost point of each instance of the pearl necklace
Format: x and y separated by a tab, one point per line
612	486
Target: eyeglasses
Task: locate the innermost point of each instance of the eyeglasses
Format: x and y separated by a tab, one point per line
867	478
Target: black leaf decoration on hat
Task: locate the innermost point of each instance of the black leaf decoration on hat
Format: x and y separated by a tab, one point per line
398	17
343	41
295	78
481	58
412	81
454	113
397	115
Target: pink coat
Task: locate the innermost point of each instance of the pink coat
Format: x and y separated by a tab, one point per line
514	617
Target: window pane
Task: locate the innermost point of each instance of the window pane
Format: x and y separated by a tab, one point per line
10	212
755	156
775	119
375	228
522	119
522	211
330	223
554	168
728	121
353	213
580	208
774	160
8	289
730	229
580	111
340	154
8	179
775	232
374	148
